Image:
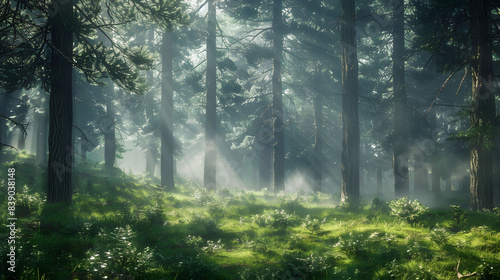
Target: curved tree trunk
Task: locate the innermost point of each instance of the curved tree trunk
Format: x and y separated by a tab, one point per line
483	114
278	121
210	180
350	122
167	114
60	105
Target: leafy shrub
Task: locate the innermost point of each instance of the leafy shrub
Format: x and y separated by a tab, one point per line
458	218
193	241
439	235
205	226
410	211
213	248
216	210
353	245
308	267
202	196
27	202
116	256
397	270
291	204
313	225
276	219
318	197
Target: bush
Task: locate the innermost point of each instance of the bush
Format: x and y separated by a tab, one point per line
353	245
276	219
313	225
116	256
457	217
407	210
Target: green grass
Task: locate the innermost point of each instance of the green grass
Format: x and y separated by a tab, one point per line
123	227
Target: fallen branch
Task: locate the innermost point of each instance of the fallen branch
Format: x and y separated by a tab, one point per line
460	275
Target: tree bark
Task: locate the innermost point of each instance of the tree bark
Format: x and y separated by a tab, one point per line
483	113
278	121
380	192
109	132
400	155
151	152
167	114
60	104
317	166
350	122
421	178
265	151
210	180
41	139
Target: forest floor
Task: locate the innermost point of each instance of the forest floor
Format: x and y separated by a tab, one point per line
123	227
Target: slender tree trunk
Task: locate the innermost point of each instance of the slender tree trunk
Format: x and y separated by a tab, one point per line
350	122
435	168
278	121
210	180
317	166
60	105
151	152
380	192
421	179
109	133
167	114
265	150
483	114
400	156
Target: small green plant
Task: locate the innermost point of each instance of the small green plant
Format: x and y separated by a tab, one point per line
458	218
216	210
205	226
408	210
213	248
313	225
27	202
290	204
439	235
116	256
352	245
193	241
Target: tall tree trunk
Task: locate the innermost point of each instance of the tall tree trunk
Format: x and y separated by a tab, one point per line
483	114
317	166
265	151
400	156
151	152
435	168
167	114
210	180
421	179
41	138
109	133
60	105
379	183
350	122
278	121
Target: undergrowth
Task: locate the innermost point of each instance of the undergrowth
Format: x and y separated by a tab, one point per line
123	227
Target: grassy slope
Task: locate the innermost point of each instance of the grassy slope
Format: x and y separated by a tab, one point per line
127	228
